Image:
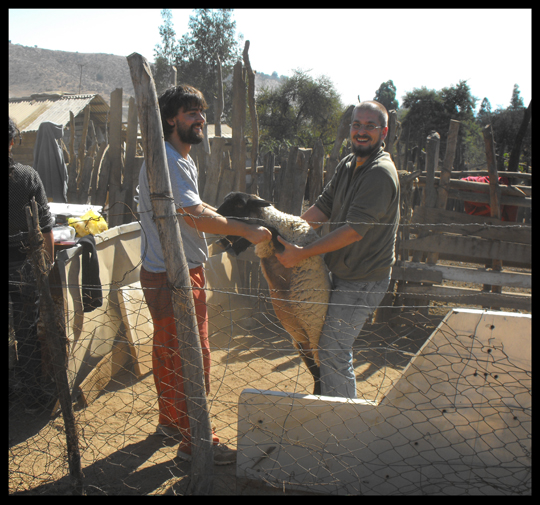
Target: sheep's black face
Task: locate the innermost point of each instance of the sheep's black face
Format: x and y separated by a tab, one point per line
238	204
241	205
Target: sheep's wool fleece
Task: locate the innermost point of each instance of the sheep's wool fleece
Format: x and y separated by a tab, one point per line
310	280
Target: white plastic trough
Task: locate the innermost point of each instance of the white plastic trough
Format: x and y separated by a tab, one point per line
457	422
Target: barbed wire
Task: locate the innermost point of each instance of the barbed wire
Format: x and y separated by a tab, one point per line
122	454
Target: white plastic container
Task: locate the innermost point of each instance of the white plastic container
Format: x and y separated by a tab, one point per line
63	233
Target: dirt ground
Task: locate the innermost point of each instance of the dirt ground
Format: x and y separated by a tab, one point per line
122	455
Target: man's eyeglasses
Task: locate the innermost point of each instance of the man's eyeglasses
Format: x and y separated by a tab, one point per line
367	127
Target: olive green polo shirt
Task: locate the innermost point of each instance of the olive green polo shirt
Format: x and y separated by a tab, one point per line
366	198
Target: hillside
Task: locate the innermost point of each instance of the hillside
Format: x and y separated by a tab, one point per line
34	70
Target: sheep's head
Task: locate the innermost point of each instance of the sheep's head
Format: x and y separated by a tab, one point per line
248	207
243	205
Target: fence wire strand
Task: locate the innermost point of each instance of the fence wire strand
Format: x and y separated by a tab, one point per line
474	402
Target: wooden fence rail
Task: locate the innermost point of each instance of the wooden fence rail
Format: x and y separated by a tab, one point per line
434	233
430	231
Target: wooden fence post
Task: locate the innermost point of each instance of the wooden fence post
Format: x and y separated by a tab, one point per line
252	112
494	189
342	133
390	138
131	177
446	172
513	162
177	274
316	172
57	343
266	189
292	181
219	100
116	190
238	119
213	174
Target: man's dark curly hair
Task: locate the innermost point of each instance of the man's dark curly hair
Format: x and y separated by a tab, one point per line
172	99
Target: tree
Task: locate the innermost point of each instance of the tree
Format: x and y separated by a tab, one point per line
506	125
516	102
511	130
484	114
165	55
298	112
430	110
425	113
212	32
458	101
386	95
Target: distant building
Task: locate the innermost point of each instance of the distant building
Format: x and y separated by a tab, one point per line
29	112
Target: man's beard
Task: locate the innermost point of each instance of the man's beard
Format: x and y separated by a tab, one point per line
365	151
188	135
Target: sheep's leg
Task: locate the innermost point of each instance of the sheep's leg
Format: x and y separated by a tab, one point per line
309	360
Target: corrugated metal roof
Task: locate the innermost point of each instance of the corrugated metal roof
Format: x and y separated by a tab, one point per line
29	112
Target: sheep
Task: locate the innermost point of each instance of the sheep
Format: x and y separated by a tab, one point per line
307	282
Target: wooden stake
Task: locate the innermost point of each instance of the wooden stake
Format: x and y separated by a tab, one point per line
56	340
177	274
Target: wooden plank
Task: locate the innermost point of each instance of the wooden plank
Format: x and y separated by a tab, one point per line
466	296
406	272
469	196
420	272
457	222
475	187
471	246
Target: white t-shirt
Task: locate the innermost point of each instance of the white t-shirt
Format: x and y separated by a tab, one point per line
185	189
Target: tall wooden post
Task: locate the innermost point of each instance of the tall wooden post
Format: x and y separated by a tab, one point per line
177	274
342	133
131	177
219	100
494	188
446	173
116	189
238	120
252	111
57	343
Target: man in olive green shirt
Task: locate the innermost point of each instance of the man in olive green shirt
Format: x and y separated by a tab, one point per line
361	203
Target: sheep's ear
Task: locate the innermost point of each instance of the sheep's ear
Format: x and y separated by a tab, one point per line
258	203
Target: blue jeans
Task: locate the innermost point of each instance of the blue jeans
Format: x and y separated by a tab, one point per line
351	303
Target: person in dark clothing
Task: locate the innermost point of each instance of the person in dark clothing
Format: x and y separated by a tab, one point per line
361	204
25	184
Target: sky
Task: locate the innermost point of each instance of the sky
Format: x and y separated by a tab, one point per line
358	49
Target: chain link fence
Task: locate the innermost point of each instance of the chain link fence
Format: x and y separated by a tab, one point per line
443	407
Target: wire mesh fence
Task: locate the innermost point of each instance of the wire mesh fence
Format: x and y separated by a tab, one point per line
441	409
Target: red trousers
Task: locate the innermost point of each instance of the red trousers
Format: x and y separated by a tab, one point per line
166	362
